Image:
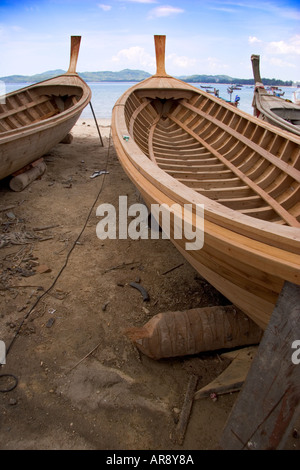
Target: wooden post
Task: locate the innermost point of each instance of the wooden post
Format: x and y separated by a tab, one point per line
269	401
75	45
160	44
255	67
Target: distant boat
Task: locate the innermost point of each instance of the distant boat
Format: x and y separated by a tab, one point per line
275	110
236	99
182	147
296	97
36	118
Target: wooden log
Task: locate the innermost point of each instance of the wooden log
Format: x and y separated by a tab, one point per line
269	401
172	334
67	139
19	182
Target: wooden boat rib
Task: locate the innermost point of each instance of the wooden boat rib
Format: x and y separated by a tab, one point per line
180	145
275	110
36	118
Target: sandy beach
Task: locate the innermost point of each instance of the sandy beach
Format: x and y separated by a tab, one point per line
66	303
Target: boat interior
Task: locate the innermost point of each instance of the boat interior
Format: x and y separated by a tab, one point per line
35	104
218	153
291	115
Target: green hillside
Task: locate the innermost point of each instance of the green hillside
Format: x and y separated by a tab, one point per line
128	75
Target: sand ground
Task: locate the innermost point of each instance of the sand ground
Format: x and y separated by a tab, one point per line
66	301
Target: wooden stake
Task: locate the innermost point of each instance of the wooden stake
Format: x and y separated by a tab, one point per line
75	46
160	43
186	410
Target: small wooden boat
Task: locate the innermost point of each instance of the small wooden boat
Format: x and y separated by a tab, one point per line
180	146
36	118
296	97
273	109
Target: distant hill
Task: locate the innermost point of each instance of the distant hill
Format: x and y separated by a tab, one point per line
226	79
32	78
125	75
128	75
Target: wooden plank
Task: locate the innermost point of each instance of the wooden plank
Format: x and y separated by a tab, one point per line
289	169
135	114
291	220
36	102
233	377
270	399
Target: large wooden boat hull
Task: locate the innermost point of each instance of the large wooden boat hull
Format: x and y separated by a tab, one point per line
180	145
275	110
36	118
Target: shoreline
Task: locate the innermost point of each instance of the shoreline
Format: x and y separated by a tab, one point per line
82	126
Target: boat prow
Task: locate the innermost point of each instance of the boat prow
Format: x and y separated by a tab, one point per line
273	109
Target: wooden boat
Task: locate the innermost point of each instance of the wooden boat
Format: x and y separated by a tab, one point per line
296	97
180	145
273	109
36	118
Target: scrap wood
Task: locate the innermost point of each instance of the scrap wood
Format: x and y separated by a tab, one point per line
87	355
233	377
20	238
172	269
39	229
7	208
186	410
119	266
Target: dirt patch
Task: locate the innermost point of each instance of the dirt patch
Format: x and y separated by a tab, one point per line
66	300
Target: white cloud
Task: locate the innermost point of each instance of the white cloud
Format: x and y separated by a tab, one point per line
181	61
253	40
163	11
215	66
280	63
134	56
292	46
104	7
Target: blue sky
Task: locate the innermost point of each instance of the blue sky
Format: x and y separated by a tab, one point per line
203	37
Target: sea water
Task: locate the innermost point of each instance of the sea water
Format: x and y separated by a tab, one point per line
105	94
